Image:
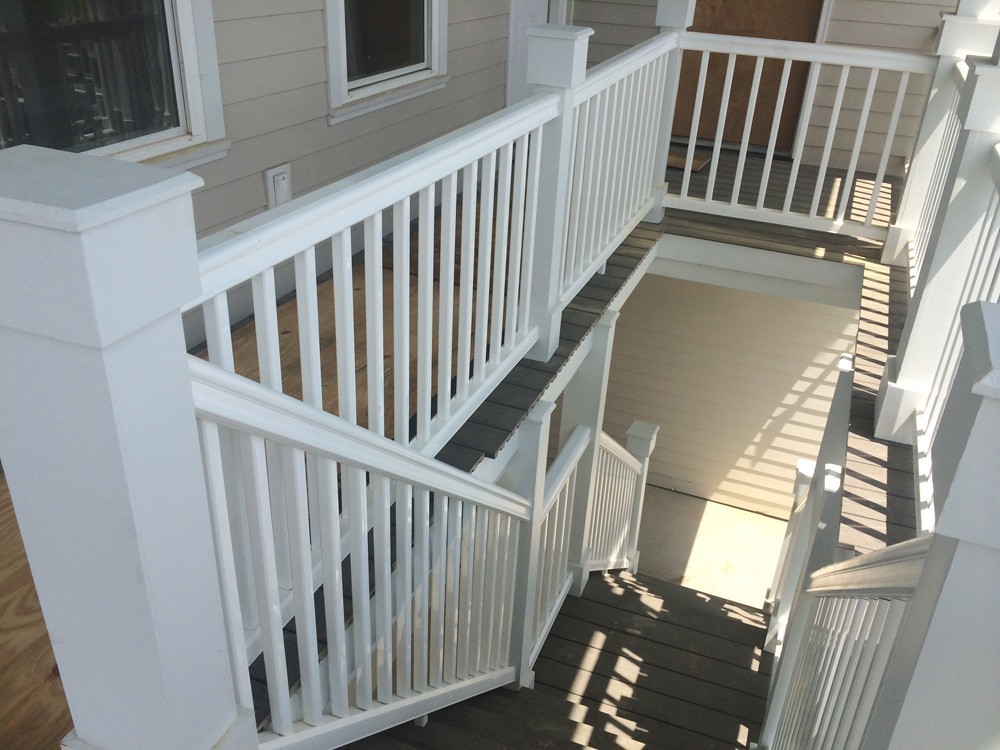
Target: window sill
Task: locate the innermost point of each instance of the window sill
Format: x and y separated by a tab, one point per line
385	99
192	156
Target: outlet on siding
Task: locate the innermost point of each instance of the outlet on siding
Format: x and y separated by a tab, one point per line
278	183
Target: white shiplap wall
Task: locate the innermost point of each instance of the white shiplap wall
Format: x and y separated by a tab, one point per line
272	67
739	382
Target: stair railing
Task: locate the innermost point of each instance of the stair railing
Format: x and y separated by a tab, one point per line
442	553
619	492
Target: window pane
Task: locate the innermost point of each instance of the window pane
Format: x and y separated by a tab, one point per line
78	74
383	35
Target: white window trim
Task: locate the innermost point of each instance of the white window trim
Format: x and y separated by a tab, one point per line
347	101
201	136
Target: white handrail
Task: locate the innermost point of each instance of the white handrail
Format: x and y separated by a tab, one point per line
243	250
565	464
892	572
222	397
613	70
835	54
619	451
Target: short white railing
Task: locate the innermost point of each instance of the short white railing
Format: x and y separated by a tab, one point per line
812	535
443	551
619	490
476	281
848	625
852	105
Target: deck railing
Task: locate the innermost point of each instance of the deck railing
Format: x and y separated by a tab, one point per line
848	139
613	535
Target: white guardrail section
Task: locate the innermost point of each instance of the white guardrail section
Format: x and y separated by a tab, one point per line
617	475
813	530
616	140
482	328
851	621
438	627
868	89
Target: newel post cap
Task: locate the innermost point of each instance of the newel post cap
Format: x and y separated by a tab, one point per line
557	55
93	248
675	14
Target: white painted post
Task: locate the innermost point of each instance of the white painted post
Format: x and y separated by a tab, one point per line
972	30
954	643
557	62
641	439
951	258
101	451
671	15
527	472
583	404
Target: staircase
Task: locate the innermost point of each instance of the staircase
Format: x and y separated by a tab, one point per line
636	662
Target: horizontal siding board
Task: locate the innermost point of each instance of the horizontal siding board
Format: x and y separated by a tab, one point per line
252	79
251	38
740	384
229	10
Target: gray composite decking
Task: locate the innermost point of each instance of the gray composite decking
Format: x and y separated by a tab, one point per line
636	662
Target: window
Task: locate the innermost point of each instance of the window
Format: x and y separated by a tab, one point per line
106	76
384	51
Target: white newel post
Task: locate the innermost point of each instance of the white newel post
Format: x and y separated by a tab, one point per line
671	15
583	404
101	452
951	258
641	439
948	697
557	62
527	471
972	30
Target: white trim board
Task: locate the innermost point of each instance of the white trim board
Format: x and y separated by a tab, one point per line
763	271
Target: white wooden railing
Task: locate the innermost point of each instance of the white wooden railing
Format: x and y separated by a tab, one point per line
843	149
847	626
616	509
812	535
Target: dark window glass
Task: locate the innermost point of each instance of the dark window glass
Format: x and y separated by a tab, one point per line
79	74
383	35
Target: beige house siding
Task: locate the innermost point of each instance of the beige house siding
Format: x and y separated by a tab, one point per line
272	68
739	382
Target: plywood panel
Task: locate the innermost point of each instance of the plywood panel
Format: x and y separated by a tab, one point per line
740	384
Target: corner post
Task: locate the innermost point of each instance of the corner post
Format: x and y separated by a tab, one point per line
671	15
641	439
583	404
557	63
101	450
530	481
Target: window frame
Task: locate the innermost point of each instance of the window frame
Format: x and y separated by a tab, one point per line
352	99
194	59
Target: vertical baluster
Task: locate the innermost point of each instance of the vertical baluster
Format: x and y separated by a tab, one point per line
747	127
446	293
493	570
727	90
452	581
211	451
465	284
853	646
421	585
333	587
581	163
266	577
499	609
599	151
856	150
890	137
804	669
297	508
800	137
478	589
500	250
512	574
772	139
860	679
559	564
627	175
307	311
517	240
466	585
533	150
439	571
695	123
404	583
374	324
609	167
265	313
487	192
648	101
425	311
539	605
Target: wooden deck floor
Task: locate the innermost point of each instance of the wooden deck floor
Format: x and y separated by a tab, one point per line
635	663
